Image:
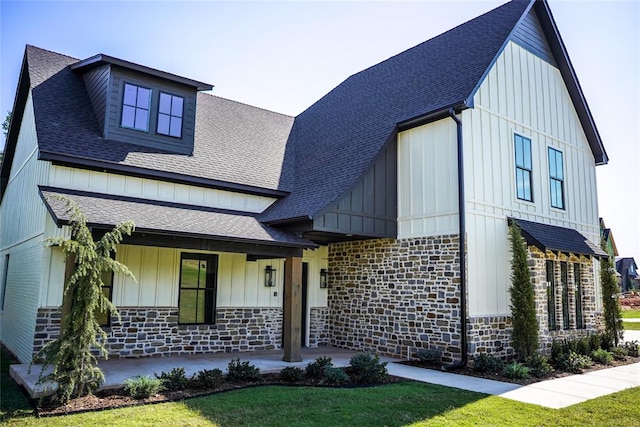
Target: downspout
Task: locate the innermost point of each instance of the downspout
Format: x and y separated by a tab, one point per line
462	230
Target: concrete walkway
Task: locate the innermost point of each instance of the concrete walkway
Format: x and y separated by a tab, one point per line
557	393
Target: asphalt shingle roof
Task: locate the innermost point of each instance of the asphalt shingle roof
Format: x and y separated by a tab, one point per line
559	239
169	218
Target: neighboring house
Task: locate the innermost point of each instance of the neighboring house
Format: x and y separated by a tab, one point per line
342	226
606	237
628	272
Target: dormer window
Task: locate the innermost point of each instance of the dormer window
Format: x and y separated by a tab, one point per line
170	115
135	107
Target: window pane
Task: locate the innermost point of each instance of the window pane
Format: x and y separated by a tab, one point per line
559	172
141	119
526	176
552	163
187	309
200	310
165	104
176	106
143	98
130	92
128	116
519	154
526	144
520	183
163	124
176	127
202	274
189	277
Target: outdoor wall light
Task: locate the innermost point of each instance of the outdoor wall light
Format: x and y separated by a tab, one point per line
324	274
269	276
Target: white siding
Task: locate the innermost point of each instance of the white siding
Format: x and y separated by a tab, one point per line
22	220
109	183
525	95
428	180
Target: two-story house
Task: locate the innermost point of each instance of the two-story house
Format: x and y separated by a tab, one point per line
375	220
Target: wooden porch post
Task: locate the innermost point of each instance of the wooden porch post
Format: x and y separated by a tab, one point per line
292	339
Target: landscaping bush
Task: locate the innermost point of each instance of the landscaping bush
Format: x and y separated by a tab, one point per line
140	387
173	380
595	340
315	370
334	376
291	374
242	371
606	341
210	378
619	353
584	346
430	356
487	363
516	370
538	365
602	356
367	369
575	363
633	348
557	353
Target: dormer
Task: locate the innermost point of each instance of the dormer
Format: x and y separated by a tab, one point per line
141	105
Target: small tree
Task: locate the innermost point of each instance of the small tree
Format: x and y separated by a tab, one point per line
7	123
610	300
74	366
523	308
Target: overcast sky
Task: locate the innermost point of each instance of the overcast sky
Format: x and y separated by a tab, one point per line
283	56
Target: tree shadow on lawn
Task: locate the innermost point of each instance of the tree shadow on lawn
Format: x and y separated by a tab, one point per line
391	405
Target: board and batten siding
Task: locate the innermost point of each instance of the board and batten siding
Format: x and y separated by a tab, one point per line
97	83
525	95
428	180
22	224
150	189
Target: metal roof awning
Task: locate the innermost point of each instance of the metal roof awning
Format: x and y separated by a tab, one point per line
557	239
176	225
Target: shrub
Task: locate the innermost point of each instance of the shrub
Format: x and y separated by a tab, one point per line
367	369
602	356
487	363
557	352
315	370
140	387
595	340
173	380
242	371
291	374
335	376
430	356
210	378
606	341
516	370
584	346
633	348
538	365
619	353
575	363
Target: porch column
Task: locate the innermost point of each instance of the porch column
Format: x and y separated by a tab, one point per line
292	340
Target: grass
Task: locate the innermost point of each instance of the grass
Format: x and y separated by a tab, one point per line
402	404
631	326
631	314
13	403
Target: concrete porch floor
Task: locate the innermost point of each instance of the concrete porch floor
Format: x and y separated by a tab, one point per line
118	370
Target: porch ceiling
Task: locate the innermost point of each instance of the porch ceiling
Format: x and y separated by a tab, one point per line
170	219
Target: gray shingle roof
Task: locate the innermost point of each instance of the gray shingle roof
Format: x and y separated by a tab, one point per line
169	218
337	138
557	239
234	142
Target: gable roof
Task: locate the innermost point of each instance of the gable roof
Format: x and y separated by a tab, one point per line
623	264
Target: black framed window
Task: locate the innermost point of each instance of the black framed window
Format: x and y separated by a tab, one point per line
103	317
564	279
524	168
135	107
556	178
170	110
578	285
198	282
551	292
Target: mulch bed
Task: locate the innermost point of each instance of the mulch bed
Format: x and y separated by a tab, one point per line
496	377
118	398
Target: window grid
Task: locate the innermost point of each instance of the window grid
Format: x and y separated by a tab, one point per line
551	292
135	107
197	298
104	317
578	286
564	278
524	168
556	178
170	110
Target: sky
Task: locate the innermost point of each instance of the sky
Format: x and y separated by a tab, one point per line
283	56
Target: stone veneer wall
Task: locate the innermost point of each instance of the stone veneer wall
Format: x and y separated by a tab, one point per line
392	296
318	327
151	331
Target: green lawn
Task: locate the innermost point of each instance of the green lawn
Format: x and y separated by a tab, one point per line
631	314
631	326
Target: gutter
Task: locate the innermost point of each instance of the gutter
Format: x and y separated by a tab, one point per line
462	230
